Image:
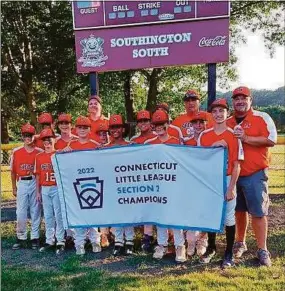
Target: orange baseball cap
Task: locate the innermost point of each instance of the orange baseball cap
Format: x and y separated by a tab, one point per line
28	128
102	125
47	132
64	117
159	116
96	97
191	94
116	119
164	106
45	118
242	90
201	115
219	103
83	121
143	114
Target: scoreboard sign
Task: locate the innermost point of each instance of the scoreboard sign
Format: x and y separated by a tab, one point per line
122	35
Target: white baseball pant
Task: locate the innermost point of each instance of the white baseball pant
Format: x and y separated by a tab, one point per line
82	233
26	198
162	236
52	215
230	208
119	233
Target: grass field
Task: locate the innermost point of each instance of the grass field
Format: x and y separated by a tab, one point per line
30	270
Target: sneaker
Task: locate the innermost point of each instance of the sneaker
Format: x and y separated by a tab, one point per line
69	242
207	257
227	261
239	249
46	247
264	257
96	248
201	246
180	254
190	249
118	249
35	243
159	252
129	249
60	247
80	250
20	243
147	243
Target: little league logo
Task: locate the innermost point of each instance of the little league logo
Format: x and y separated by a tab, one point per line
89	192
92	52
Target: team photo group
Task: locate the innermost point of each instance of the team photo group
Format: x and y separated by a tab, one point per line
247	135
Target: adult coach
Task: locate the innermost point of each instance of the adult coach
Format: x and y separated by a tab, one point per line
257	132
192	106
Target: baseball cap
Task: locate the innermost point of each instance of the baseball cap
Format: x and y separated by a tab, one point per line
102	125
219	103
116	119
242	90
191	94
47	132
96	97
164	106
45	118
143	114
64	117
83	121
28	128
159	117
201	115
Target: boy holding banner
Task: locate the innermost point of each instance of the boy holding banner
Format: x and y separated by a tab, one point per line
47	192
160	120
83	125
221	135
122	234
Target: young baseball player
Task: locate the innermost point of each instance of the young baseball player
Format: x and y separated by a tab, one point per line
24	188
160	120
66	137
221	135
195	239
47	193
123	235
45	121
83	126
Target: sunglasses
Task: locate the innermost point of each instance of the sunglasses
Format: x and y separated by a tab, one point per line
26	135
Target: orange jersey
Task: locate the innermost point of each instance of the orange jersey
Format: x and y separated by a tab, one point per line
256	123
191	142
22	162
175	131
184	123
113	143
43	168
94	126
171	140
139	139
61	144
77	145
208	137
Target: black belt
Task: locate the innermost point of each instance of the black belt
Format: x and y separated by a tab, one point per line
26	178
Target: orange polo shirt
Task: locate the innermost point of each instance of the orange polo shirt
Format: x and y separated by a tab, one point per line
184	122
77	145
61	144
44	168
22	162
209	136
171	140
256	123
141	139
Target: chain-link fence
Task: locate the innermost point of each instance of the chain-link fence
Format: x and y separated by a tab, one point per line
276	171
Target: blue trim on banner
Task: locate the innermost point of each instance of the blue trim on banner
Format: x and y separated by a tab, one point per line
224	189
62	189
147	223
88	185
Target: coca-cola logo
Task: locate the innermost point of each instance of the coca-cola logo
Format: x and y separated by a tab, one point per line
216	41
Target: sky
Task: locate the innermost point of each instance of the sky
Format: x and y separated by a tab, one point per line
255	67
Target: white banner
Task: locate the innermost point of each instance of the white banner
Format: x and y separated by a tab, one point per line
165	185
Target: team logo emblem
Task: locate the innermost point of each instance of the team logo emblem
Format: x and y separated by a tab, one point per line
89	192
92	52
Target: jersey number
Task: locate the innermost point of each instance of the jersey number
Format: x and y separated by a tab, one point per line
50	177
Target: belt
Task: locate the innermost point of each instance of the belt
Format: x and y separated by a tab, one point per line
26	178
